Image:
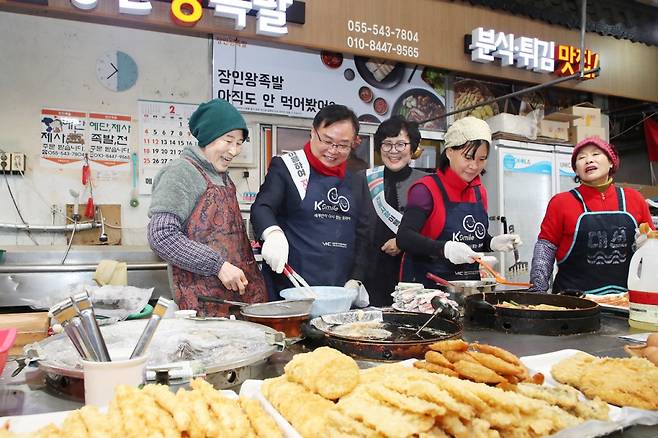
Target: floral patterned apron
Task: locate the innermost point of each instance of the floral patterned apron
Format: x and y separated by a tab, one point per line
216	221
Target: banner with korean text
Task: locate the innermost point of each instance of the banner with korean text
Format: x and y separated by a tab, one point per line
266	78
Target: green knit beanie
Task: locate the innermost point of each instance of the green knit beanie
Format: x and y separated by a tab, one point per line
214	119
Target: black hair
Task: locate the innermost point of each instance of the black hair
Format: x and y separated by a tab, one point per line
469	149
333	113
393	127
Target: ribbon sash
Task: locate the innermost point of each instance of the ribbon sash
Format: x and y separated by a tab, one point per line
390	216
299	169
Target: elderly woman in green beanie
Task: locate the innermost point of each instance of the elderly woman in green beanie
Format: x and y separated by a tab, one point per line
195	222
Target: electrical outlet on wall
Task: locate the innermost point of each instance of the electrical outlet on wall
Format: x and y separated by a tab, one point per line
5	162
17	162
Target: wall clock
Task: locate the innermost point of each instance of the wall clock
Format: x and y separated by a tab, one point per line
116	70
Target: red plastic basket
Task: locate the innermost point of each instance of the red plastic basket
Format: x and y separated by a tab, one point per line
7	338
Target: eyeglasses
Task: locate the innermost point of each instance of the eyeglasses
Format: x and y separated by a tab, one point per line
399	146
331	144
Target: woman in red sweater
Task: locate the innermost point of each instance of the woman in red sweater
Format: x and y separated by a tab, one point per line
589	230
444	227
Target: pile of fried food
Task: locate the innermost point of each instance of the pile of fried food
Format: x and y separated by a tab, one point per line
623	382
618	300
477	362
323	393
155	411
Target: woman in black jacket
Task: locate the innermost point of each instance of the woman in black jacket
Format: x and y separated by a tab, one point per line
377	260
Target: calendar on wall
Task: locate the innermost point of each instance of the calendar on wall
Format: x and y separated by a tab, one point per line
164	133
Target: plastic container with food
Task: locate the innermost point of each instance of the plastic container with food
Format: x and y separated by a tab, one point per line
365	94
381	106
349	74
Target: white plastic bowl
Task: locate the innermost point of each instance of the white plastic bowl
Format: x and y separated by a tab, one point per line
328	299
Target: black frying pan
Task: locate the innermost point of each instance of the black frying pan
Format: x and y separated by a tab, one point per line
396	349
581	316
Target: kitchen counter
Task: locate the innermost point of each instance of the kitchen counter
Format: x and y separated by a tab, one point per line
26	394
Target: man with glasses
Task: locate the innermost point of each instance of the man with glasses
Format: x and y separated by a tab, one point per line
305	211
377	261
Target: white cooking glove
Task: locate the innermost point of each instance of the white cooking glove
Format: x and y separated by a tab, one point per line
640	239
490	260
362	298
275	249
505	242
460	253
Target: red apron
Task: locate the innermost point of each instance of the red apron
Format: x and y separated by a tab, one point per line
216	221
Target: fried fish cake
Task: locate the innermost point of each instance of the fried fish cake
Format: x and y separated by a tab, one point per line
621	382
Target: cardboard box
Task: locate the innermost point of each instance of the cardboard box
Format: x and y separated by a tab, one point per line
553	129
556	125
649	192
589	115
578	133
30	327
513	124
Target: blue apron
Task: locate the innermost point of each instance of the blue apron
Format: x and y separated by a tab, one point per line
321	232
601	251
465	222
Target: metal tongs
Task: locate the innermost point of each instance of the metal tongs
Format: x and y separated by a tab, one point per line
298	281
499	278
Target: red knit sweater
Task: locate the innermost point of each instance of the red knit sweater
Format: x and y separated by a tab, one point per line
563	210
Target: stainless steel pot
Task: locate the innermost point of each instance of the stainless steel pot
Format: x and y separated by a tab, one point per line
286	316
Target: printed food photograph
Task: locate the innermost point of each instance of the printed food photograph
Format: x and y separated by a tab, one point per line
435	78
419	105
380	73
470	92
331	59
380	105
365	94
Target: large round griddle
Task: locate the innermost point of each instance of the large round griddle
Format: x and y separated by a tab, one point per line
582	316
227	351
396	349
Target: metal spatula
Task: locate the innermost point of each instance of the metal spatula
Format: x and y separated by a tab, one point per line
518	267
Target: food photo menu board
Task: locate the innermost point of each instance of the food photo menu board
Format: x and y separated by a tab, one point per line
258	77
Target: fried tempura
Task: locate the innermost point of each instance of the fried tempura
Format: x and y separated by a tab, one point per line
305	410
449	345
429	366
325	371
261	422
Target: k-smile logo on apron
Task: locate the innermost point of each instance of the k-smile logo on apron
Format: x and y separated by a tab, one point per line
472	230
334	202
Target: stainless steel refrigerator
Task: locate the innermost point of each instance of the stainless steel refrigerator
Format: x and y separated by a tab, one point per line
521	177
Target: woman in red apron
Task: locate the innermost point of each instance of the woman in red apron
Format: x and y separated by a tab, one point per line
196	224
589	230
